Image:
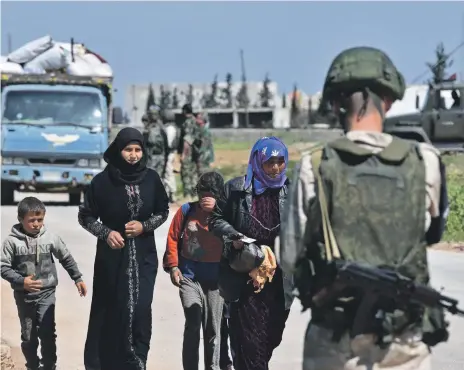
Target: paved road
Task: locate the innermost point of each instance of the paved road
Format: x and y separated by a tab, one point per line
73	311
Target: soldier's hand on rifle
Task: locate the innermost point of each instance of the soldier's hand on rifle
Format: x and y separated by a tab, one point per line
328	293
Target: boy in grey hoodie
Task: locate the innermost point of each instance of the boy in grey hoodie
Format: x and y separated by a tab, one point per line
27	264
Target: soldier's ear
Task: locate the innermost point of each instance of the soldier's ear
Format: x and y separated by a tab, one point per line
388	102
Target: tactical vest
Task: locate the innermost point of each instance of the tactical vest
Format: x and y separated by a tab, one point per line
157	140
376	204
376	207
203	150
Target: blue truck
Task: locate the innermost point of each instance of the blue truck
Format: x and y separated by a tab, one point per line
55	129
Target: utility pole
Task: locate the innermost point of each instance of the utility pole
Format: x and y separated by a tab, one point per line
244	87
9	43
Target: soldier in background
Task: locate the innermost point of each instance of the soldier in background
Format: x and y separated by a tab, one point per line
203	145
156	141
188	169
172	136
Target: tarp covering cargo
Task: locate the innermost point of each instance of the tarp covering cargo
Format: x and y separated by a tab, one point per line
44	55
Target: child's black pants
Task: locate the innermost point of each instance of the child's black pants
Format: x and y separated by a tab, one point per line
37	318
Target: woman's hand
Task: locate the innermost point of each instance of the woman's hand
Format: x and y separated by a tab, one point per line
115	240
134	229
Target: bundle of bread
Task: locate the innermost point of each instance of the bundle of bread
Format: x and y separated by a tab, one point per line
265	272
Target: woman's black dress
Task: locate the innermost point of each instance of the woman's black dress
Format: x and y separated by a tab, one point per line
120	323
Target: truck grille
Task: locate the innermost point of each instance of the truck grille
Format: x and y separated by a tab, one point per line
53	161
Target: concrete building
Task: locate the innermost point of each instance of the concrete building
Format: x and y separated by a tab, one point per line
224	110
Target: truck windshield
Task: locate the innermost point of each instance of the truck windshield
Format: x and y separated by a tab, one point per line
52	107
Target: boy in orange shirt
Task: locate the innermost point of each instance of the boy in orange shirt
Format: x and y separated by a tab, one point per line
192	259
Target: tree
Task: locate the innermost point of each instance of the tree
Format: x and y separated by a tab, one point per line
438	68
294	109
175	99
151	98
265	94
211	100
228	90
189	97
284	101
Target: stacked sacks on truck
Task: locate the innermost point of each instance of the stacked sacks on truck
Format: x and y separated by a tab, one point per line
44	55
10	67
89	64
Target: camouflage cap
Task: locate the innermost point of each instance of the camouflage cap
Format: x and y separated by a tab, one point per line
363	67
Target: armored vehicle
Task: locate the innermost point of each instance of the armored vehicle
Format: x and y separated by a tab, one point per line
439	119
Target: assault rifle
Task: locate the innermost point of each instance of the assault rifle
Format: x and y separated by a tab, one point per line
381	285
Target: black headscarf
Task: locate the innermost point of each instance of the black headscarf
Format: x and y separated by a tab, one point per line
118	167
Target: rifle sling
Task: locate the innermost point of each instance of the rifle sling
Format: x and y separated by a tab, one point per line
331	247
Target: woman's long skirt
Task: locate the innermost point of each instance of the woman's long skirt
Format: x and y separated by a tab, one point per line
257	323
120	323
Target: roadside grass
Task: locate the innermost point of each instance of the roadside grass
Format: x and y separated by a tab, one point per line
454	170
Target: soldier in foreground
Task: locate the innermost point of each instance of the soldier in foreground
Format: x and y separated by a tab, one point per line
188	169
156	141
172	136
383	200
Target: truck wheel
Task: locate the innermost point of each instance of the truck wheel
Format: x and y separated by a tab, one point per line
7	194
74	199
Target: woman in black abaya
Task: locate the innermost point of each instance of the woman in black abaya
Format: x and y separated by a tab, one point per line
130	201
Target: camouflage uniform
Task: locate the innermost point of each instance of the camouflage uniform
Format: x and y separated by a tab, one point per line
189	168
172	136
382	195
203	146
156	142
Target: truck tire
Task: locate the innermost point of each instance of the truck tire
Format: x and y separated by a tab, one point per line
7	194
74	199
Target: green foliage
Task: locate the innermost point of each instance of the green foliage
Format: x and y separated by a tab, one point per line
455	182
455	224
151	98
438	68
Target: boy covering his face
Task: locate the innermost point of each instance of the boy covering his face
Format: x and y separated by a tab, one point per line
192	259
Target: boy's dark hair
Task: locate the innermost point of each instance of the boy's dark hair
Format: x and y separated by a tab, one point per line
211	182
30	204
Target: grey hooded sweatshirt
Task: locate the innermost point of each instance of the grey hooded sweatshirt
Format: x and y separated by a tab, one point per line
23	255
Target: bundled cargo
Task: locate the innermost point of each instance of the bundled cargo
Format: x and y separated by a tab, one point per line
45	56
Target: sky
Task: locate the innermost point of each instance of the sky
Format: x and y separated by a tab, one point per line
166	42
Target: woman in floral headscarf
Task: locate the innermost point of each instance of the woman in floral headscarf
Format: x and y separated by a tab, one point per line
251	207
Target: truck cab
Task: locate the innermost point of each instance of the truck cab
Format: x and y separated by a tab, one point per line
439	120
55	129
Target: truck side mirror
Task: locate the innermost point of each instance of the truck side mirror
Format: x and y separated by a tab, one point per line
118	116
417	101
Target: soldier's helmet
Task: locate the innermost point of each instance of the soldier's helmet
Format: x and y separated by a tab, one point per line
358	68
153	113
